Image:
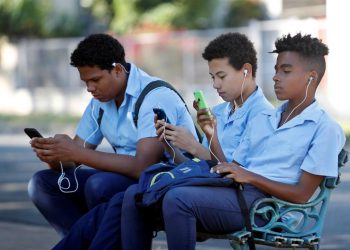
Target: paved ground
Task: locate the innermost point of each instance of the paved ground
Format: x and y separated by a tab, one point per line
22	227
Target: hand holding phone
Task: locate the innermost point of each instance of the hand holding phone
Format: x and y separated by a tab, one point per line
161	114
32	132
199	96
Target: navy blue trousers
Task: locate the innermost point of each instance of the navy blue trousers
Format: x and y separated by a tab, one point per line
62	210
186	210
98	229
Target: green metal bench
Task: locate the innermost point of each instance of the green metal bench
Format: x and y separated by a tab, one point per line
283	234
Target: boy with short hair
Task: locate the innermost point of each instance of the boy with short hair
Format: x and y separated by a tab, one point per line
115	86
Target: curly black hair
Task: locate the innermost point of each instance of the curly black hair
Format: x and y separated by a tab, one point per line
235	46
311	49
100	50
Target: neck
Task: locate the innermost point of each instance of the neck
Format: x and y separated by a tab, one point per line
249	89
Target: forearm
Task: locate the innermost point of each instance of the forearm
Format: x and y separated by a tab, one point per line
287	192
126	165
200	152
216	150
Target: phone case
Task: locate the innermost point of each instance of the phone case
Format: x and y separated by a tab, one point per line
199	96
161	114
32	132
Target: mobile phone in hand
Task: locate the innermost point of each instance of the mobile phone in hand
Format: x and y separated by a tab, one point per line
32	132
199	96
161	114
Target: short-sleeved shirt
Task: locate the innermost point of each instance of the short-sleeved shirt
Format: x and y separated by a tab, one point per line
117	125
230	126
310	142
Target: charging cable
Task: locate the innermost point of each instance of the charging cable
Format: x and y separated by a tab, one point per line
65	189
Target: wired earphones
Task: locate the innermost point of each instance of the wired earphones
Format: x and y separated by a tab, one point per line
65	189
307	88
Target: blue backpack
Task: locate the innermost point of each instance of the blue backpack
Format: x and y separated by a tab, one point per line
159	178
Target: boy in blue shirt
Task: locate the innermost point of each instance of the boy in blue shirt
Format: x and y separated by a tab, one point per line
284	153
232	66
115	86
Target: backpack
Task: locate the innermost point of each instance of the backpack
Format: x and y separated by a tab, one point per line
157	179
150	87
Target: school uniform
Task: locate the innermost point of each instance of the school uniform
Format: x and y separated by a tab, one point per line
309	142
230	127
116	125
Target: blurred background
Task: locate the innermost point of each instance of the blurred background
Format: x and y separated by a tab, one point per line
38	87
164	37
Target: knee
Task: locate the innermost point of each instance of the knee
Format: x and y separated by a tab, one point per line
175	201
38	183
129	197
94	190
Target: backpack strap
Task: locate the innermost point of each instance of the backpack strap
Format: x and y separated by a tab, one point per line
150	87
245	211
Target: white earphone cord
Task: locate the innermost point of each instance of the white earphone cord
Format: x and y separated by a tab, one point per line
307	88
209	146
63	174
168	143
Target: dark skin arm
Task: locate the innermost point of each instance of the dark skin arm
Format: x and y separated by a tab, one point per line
181	138
297	193
37	144
63	148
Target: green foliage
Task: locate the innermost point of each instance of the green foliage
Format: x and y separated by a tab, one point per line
35	18
241	11
125	16
23	17
38	18
195	14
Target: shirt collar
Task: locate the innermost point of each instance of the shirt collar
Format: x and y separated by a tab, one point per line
133	89
239	112
311	113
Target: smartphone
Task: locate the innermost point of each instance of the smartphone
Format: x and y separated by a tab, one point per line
161	114
199	96
32	132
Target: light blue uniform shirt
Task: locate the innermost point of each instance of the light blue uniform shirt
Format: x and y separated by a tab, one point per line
230	127
117	125
310	142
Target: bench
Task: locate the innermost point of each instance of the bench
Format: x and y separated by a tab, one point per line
283	234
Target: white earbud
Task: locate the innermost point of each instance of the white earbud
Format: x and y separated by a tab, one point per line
245	72
310	79
115	64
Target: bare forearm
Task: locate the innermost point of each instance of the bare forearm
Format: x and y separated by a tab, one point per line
123	164
287	192
216	150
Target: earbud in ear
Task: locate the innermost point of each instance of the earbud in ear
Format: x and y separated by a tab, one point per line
245	72
310	79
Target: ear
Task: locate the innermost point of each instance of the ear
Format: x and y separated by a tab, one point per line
313	76
118	68
247	67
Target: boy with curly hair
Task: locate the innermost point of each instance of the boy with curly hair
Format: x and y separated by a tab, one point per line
115	86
